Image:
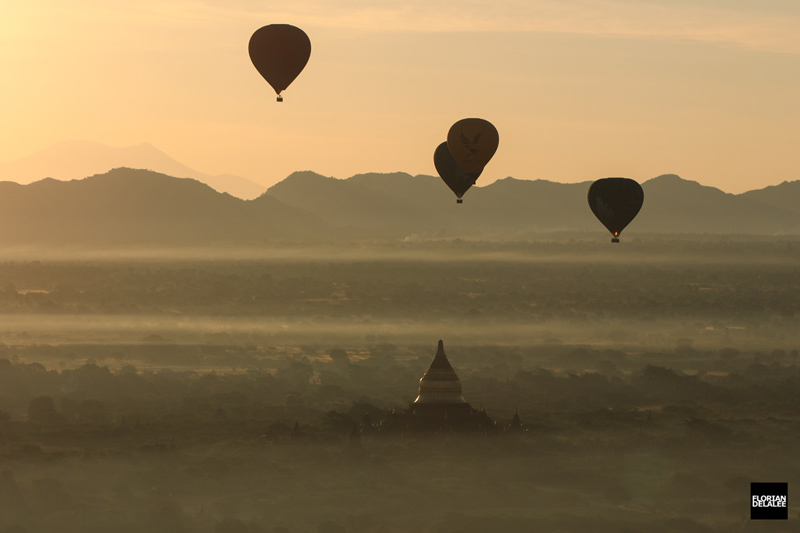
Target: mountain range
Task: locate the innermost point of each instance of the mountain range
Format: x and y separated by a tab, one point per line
128	206
399	204
70	160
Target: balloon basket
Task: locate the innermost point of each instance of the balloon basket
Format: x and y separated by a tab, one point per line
459	201
614	239
280	98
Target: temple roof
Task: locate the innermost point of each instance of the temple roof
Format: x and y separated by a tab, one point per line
440	361
440	384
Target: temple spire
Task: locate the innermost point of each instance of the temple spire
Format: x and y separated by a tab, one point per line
440	384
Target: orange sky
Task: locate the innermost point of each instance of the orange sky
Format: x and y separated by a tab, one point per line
578	89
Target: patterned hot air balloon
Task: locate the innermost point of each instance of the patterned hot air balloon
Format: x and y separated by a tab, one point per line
473	142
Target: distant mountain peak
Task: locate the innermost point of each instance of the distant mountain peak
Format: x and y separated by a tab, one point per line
134	206
75	159
668	178
673	180
381	175
305	179
147	145
509	179
308	174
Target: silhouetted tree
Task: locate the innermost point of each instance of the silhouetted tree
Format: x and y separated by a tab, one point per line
93	411
43	409
338	355
297	374
338	422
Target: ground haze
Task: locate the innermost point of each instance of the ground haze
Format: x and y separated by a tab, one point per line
654	379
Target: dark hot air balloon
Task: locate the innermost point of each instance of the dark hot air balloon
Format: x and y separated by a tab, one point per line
615	202
452	174
473	142
279	53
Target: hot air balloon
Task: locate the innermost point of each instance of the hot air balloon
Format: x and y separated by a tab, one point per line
279	53
452	174
473	142
615	202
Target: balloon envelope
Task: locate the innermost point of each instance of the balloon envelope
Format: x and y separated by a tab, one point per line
473	142
615	202
452	174
279	53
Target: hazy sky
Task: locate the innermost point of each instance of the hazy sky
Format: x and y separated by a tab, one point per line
578	89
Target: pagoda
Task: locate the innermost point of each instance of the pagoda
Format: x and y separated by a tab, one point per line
440	404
